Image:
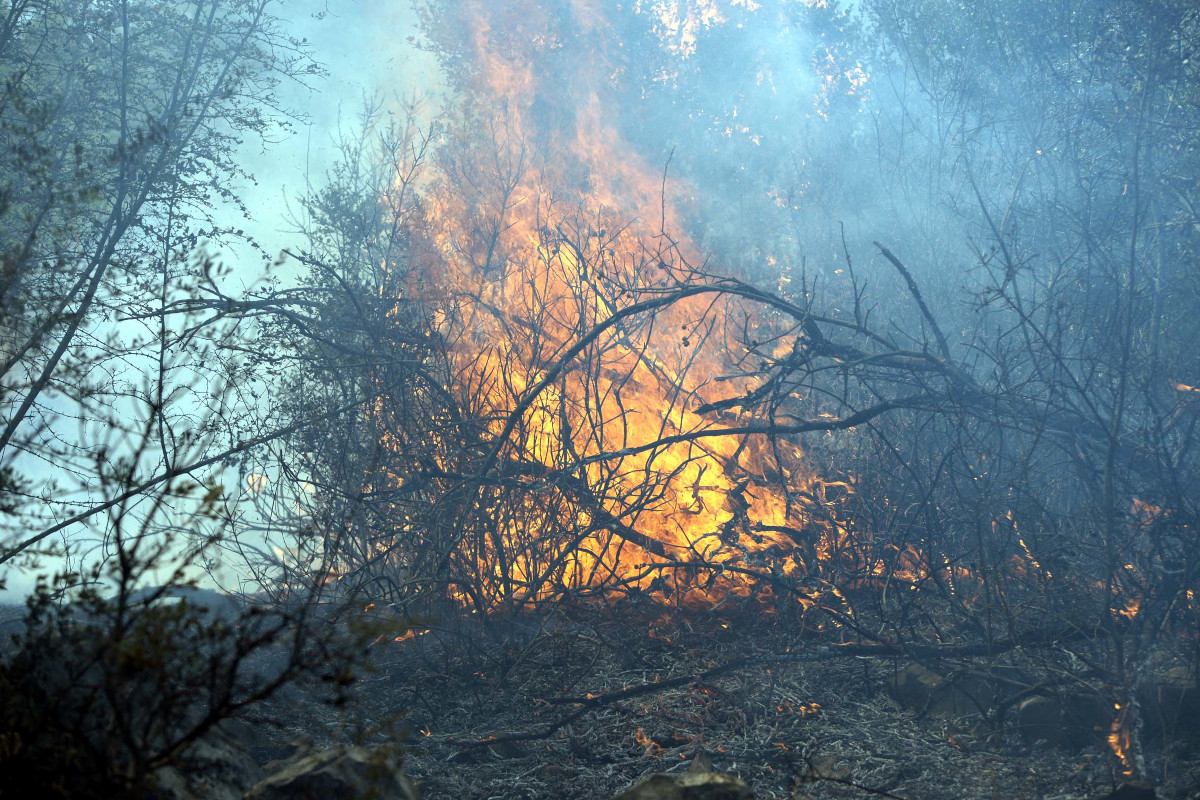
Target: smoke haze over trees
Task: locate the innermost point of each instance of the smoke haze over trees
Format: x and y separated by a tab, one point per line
881	321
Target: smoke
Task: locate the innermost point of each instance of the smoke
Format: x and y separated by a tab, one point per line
777	126
364	47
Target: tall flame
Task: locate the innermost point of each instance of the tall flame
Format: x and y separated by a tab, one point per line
548	223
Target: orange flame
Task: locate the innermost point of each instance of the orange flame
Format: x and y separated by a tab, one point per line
547	223
1120	739
652	747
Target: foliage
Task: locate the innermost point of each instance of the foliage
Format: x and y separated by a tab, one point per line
1000	396
125	398
102	691
119	123
978	433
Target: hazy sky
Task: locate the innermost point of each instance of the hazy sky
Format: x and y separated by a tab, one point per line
364	45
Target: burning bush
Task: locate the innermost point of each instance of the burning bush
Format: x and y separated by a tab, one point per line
573	399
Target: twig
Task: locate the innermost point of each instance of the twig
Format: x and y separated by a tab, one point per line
882	650
943	347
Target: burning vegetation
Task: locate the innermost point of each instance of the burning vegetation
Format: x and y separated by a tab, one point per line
633	393
642	357
623	418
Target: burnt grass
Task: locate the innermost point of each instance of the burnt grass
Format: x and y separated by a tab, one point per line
584	704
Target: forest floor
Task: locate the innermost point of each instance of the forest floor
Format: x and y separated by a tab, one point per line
559	709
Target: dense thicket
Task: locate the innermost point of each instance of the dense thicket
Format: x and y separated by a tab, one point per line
922	275
126	398
1007	378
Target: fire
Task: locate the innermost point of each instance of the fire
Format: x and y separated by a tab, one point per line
652	747
548	229
1119	738
1144	513
1127	607
803	709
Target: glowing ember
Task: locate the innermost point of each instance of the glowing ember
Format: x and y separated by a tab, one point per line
652	747
1119	739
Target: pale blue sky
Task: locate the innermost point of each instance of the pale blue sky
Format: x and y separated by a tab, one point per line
364	46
